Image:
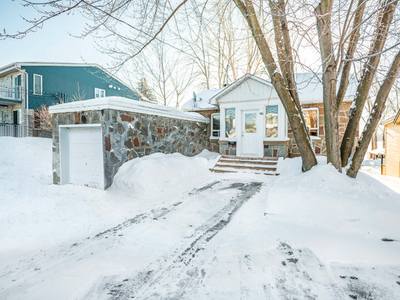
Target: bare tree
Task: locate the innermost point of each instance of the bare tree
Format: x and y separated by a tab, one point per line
352	37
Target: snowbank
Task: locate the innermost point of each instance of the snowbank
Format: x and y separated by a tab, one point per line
325	198
163	173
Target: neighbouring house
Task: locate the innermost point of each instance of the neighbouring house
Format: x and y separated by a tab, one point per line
254	122
93	138
391	141
25	86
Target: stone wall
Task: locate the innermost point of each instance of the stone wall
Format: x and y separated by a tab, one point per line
276	148
227	148
319	142
129	135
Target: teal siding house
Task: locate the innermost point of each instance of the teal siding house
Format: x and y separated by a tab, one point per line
25	86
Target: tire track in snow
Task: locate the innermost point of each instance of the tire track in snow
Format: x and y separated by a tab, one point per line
40	261
141	285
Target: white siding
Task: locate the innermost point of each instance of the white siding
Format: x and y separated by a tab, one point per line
249	90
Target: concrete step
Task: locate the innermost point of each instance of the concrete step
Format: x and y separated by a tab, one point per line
222	164
233	170
252	161
254	165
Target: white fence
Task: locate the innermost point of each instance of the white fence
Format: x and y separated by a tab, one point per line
13	130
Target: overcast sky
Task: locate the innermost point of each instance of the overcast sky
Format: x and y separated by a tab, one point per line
52	43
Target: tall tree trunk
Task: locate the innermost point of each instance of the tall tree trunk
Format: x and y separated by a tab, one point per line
382	28
294	114
354	37
374	117
329	78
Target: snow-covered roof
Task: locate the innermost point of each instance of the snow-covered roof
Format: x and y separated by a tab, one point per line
377	151
310	89
202	101
125	104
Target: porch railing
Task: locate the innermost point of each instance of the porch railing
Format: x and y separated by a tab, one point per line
12	93
13	130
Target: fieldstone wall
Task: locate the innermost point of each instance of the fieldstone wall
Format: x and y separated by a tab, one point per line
129	135
319	144
276	148
227	148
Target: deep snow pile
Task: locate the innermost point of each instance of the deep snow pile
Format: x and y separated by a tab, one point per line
326	198
170	229
163	173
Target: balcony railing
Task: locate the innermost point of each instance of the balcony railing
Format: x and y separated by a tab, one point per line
13	130
11	93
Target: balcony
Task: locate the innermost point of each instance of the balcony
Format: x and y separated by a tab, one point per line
10	95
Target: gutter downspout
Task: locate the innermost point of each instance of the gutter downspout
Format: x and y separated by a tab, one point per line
26	102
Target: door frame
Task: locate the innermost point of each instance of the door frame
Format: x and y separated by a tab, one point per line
64	149
259	151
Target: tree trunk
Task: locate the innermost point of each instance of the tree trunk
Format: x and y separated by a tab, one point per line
294	114
382	28
374	118
354	37
329	78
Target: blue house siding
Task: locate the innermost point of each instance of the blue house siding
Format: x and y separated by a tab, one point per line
57	80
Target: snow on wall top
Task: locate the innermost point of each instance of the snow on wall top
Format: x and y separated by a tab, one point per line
202	101
125	104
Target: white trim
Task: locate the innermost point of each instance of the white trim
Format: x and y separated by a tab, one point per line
124	104
99	90
64	145
212	125
213	99
41	84
309	129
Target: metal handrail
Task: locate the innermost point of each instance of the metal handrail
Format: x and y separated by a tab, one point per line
12	93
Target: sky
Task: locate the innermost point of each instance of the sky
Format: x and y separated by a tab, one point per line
52	43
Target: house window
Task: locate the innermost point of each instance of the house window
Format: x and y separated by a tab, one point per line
230	123
17	87
311	116
215	125
1	117
271	121
37	84
99	93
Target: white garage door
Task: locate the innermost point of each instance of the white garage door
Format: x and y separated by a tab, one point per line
86	157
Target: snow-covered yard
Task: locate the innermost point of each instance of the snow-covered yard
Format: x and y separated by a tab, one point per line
170	229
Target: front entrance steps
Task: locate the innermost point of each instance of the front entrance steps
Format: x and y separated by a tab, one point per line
235	164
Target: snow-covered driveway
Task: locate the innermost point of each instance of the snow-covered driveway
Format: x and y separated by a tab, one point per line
169	229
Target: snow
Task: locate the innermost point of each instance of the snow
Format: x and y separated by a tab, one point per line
310	88
125	104
202	101
170	229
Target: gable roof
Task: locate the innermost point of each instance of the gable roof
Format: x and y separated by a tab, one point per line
392	119
235	84
17	66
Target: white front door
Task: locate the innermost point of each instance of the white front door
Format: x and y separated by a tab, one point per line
251	138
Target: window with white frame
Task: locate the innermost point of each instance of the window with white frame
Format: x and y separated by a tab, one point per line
230	123
37	84
99	93
271	121
311	116
215	125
